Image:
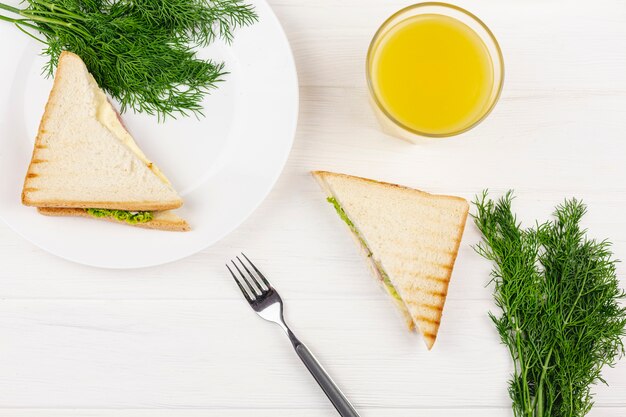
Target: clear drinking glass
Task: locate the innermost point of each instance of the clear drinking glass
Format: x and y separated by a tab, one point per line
390	124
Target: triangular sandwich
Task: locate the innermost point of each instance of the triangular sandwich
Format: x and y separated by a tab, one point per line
85	159
410	237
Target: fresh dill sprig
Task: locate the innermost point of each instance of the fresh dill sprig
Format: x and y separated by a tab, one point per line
142	52
559	300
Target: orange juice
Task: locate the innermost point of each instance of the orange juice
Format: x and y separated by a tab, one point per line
432	74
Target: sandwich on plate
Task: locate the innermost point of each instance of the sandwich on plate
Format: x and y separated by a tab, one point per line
86	164
411	239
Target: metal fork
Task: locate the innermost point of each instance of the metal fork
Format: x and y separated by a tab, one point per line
264	299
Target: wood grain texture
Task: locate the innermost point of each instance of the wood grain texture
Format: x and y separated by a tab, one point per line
295	412
177	340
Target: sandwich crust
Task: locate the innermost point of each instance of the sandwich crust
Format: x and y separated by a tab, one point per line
163	220
113	205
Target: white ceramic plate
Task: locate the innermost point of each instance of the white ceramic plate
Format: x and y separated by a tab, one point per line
223	165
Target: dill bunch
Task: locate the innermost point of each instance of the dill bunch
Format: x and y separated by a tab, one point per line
142	52
559	300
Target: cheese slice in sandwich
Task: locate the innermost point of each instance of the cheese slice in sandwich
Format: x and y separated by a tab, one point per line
85	159
410	237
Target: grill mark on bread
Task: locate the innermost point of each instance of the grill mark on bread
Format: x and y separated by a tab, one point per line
40	146
447	252
426	250
435	232
447	266
433	307
420	304
429	277
30	189
39	161
436	322
32	175
444	280
434	223
435	293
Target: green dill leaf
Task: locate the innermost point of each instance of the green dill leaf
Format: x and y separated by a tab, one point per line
559	300
141	52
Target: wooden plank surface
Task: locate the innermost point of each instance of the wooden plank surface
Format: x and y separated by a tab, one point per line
299	412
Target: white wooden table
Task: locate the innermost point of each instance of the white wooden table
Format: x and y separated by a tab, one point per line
178	340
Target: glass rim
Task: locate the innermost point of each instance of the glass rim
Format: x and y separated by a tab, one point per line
381	31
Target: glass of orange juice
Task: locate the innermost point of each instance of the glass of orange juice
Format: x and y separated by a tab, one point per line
433	70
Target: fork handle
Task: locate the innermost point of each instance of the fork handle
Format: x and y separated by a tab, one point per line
324	380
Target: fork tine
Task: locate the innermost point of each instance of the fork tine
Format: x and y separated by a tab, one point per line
254	278
265	281
243	290
254	293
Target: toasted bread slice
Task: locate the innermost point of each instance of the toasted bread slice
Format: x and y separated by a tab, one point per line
162	220
83	155
412	238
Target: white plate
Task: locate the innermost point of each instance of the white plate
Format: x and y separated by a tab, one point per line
223	165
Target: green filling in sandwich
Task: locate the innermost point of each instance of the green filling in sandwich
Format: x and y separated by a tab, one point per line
383	275
392	290
131	217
